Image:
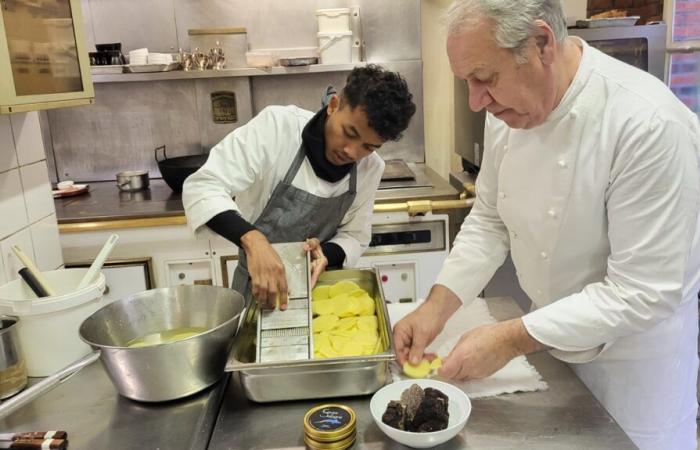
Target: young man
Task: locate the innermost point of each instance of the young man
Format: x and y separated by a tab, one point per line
297	176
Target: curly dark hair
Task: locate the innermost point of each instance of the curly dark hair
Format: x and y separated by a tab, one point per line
384	96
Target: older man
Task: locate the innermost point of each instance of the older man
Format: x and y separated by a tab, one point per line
590	179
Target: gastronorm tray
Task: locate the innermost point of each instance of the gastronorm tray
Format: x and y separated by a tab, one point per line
316	378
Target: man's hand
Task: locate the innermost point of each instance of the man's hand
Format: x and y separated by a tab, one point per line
486	349
269	282
416	331
319	262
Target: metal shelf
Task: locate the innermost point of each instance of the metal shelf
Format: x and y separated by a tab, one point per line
234	72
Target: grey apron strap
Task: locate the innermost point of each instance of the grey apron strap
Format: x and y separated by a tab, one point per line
294	168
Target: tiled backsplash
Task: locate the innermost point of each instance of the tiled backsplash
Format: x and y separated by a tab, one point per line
27	214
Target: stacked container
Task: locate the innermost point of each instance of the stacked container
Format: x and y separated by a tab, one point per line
335	39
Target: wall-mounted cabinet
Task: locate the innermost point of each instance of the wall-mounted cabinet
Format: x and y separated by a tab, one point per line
43	56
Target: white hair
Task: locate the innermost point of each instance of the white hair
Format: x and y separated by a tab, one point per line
514	20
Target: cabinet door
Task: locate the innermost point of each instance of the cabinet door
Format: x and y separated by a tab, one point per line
43	59
189	272
124	280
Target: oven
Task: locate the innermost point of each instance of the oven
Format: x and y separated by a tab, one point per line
408	253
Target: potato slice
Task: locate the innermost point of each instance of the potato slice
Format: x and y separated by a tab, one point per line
349	307
320	340
325	323
436	364
323	307
338	342
367	323
347	323
358	293
351	348
420	371
342	287
327	351
366	305
321	293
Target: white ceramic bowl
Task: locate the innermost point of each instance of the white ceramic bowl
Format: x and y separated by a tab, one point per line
459	408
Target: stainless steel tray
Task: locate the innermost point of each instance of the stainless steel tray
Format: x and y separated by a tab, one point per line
147	68
316	378
607	22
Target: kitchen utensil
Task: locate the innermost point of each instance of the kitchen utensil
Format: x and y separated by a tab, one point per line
33	269
32	282
232	41
459	408
76	189
99	261
132	180
291	62
160	372
13	370
176	170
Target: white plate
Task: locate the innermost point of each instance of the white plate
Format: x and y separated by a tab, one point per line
459	407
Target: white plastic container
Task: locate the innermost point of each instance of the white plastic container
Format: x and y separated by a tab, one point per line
48	329
269	57
333	20
335	48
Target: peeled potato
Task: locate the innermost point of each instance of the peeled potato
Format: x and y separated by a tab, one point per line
351	348
342	287
436	364
357	293
324	323
320	293
320	340
347	323
366	306
420	371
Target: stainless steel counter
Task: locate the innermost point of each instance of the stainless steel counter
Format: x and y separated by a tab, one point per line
97	418
88	407
565	416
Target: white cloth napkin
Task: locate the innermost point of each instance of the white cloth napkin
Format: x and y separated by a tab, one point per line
517	376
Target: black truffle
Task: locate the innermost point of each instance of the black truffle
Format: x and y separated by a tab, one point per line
395	415
418	410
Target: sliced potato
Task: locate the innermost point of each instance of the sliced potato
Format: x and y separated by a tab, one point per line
436	364
325	323
323	307
367	323
366	305
347	323
321	293
342	287
358	293
420	371
351	348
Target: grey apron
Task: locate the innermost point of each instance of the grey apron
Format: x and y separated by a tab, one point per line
293	215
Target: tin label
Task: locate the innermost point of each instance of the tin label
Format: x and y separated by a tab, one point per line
223	107
329	419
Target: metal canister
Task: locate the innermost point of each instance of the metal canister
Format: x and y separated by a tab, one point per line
13	370
330	427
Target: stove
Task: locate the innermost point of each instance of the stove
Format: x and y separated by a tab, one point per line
398	175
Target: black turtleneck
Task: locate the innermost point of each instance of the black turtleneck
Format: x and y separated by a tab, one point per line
314	140
232	226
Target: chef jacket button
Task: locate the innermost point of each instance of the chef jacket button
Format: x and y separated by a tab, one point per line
562	163
552	213
502	194
544	255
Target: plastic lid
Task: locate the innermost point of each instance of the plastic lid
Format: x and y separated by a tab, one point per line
334	33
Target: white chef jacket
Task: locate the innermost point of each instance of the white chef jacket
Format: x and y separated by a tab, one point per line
599	208
249	163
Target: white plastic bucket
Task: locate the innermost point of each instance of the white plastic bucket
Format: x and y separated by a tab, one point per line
48	329
333	20
335	48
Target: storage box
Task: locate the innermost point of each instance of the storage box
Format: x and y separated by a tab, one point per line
336	47
234	42
316	378
333	20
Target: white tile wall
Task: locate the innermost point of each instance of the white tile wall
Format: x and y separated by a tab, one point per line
14	213
8	157
27	213
35	183
47	248
27	133
23	240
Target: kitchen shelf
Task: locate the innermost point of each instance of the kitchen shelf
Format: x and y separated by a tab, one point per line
234	72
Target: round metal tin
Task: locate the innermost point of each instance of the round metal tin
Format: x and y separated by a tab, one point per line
330	423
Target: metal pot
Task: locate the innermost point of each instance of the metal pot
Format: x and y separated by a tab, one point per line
132	180
13	370
159	372
176	170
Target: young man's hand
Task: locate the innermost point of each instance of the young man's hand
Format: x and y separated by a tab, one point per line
268	278
319	262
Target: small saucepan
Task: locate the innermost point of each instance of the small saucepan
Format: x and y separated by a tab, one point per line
159	371
132	180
